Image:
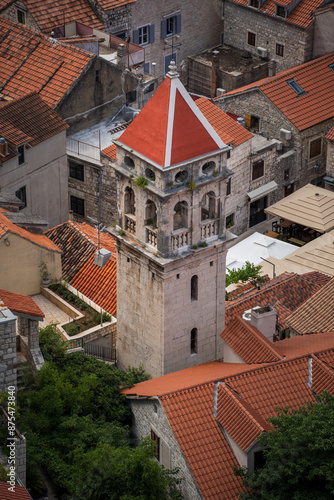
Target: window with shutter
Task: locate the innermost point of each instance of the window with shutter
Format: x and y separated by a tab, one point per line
257	169
315	148
144	35
170	26
251	38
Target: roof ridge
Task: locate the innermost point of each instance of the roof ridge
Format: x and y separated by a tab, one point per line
322	364
261	337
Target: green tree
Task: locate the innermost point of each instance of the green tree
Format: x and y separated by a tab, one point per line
299	456
246	272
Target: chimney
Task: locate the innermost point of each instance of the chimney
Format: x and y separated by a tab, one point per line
3	147
101	257
264	319
121	56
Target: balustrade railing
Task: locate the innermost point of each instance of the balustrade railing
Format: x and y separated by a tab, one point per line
151	236
180	238
130	223
209	228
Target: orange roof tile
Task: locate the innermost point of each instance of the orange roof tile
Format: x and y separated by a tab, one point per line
20	304
50	14
171	129
287	291
110	152
330	134
19	494
228	129
29	119
322	376
31	62
112	4
303	345
78	242
249	343
6	226
305	110
301	15
316	314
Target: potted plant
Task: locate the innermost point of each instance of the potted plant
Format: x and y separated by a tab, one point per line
45	275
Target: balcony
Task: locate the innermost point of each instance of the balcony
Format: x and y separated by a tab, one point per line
130	223
209	228
180	238
151	236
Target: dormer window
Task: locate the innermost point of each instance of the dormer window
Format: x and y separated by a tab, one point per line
21	16
297	88
280	11
254	3
331	66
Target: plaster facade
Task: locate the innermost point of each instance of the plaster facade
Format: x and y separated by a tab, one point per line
43	175
268	30
323	41
149	415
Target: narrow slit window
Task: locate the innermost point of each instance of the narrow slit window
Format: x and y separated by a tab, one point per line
193	341
194	288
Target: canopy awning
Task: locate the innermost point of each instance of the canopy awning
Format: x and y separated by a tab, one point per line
262	191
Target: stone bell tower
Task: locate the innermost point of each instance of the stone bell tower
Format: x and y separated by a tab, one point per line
171	186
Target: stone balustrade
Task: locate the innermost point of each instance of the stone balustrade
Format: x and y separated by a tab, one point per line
180	238
130	223
151	236
209	228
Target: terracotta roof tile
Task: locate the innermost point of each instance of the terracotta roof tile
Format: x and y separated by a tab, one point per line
50	14
112	4
322	376
287	291
110	152
29	119
303	345
31	62
316	314
226	127
326	356
249	343
78	242
20	304
330	134
20	491
301	15
6	226
305	110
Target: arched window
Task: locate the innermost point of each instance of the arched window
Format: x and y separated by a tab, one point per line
194	288
180	215
129	201
128	161
208	208
208	168
150	214
193	341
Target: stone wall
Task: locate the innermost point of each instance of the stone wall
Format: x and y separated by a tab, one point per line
10	13
20	449
269	31
28	330
323	41
8	372
330	158
149	415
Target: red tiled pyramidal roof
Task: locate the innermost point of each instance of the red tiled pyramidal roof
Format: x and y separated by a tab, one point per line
301	14
29	119
304	110
20	304
6	226
50	14
171	129
79	243
249	343
31	62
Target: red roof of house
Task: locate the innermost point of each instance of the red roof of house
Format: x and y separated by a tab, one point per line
170	129
316	314
29	119
112	4
226	127
303	345
49	14
249	343
19	494
301	15
20	304
31	62
330	134
110	152
287	291
79	243
315	78
6	226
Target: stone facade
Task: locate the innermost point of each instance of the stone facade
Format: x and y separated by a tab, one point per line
330	158
8	375
28	330
17	12
149	415
20	449
269	31
323	41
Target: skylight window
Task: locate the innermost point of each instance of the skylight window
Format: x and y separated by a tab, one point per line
331	66
294	85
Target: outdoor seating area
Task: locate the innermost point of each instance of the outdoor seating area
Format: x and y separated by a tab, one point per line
294	233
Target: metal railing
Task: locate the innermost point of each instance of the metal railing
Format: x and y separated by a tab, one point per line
82	148
100	352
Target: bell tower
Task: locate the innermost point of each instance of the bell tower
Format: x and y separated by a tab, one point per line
171	186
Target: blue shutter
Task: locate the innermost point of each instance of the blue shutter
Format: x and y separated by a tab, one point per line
135	37
151	34
147	67
163	28
178	23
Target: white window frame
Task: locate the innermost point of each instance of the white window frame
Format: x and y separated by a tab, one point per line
144	35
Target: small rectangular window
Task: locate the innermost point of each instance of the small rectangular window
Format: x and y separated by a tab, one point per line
229	221
193	341
257	169
280	11
279	49
143	35
77	205
22	195
315	147
76	171
156	439
252	121
20	151
211	263
194	288
254	3
228	186
97	76
177	276
294	85
131	96
286	174
251	38
170	26
21	16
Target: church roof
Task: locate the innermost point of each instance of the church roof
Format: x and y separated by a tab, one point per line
171	129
